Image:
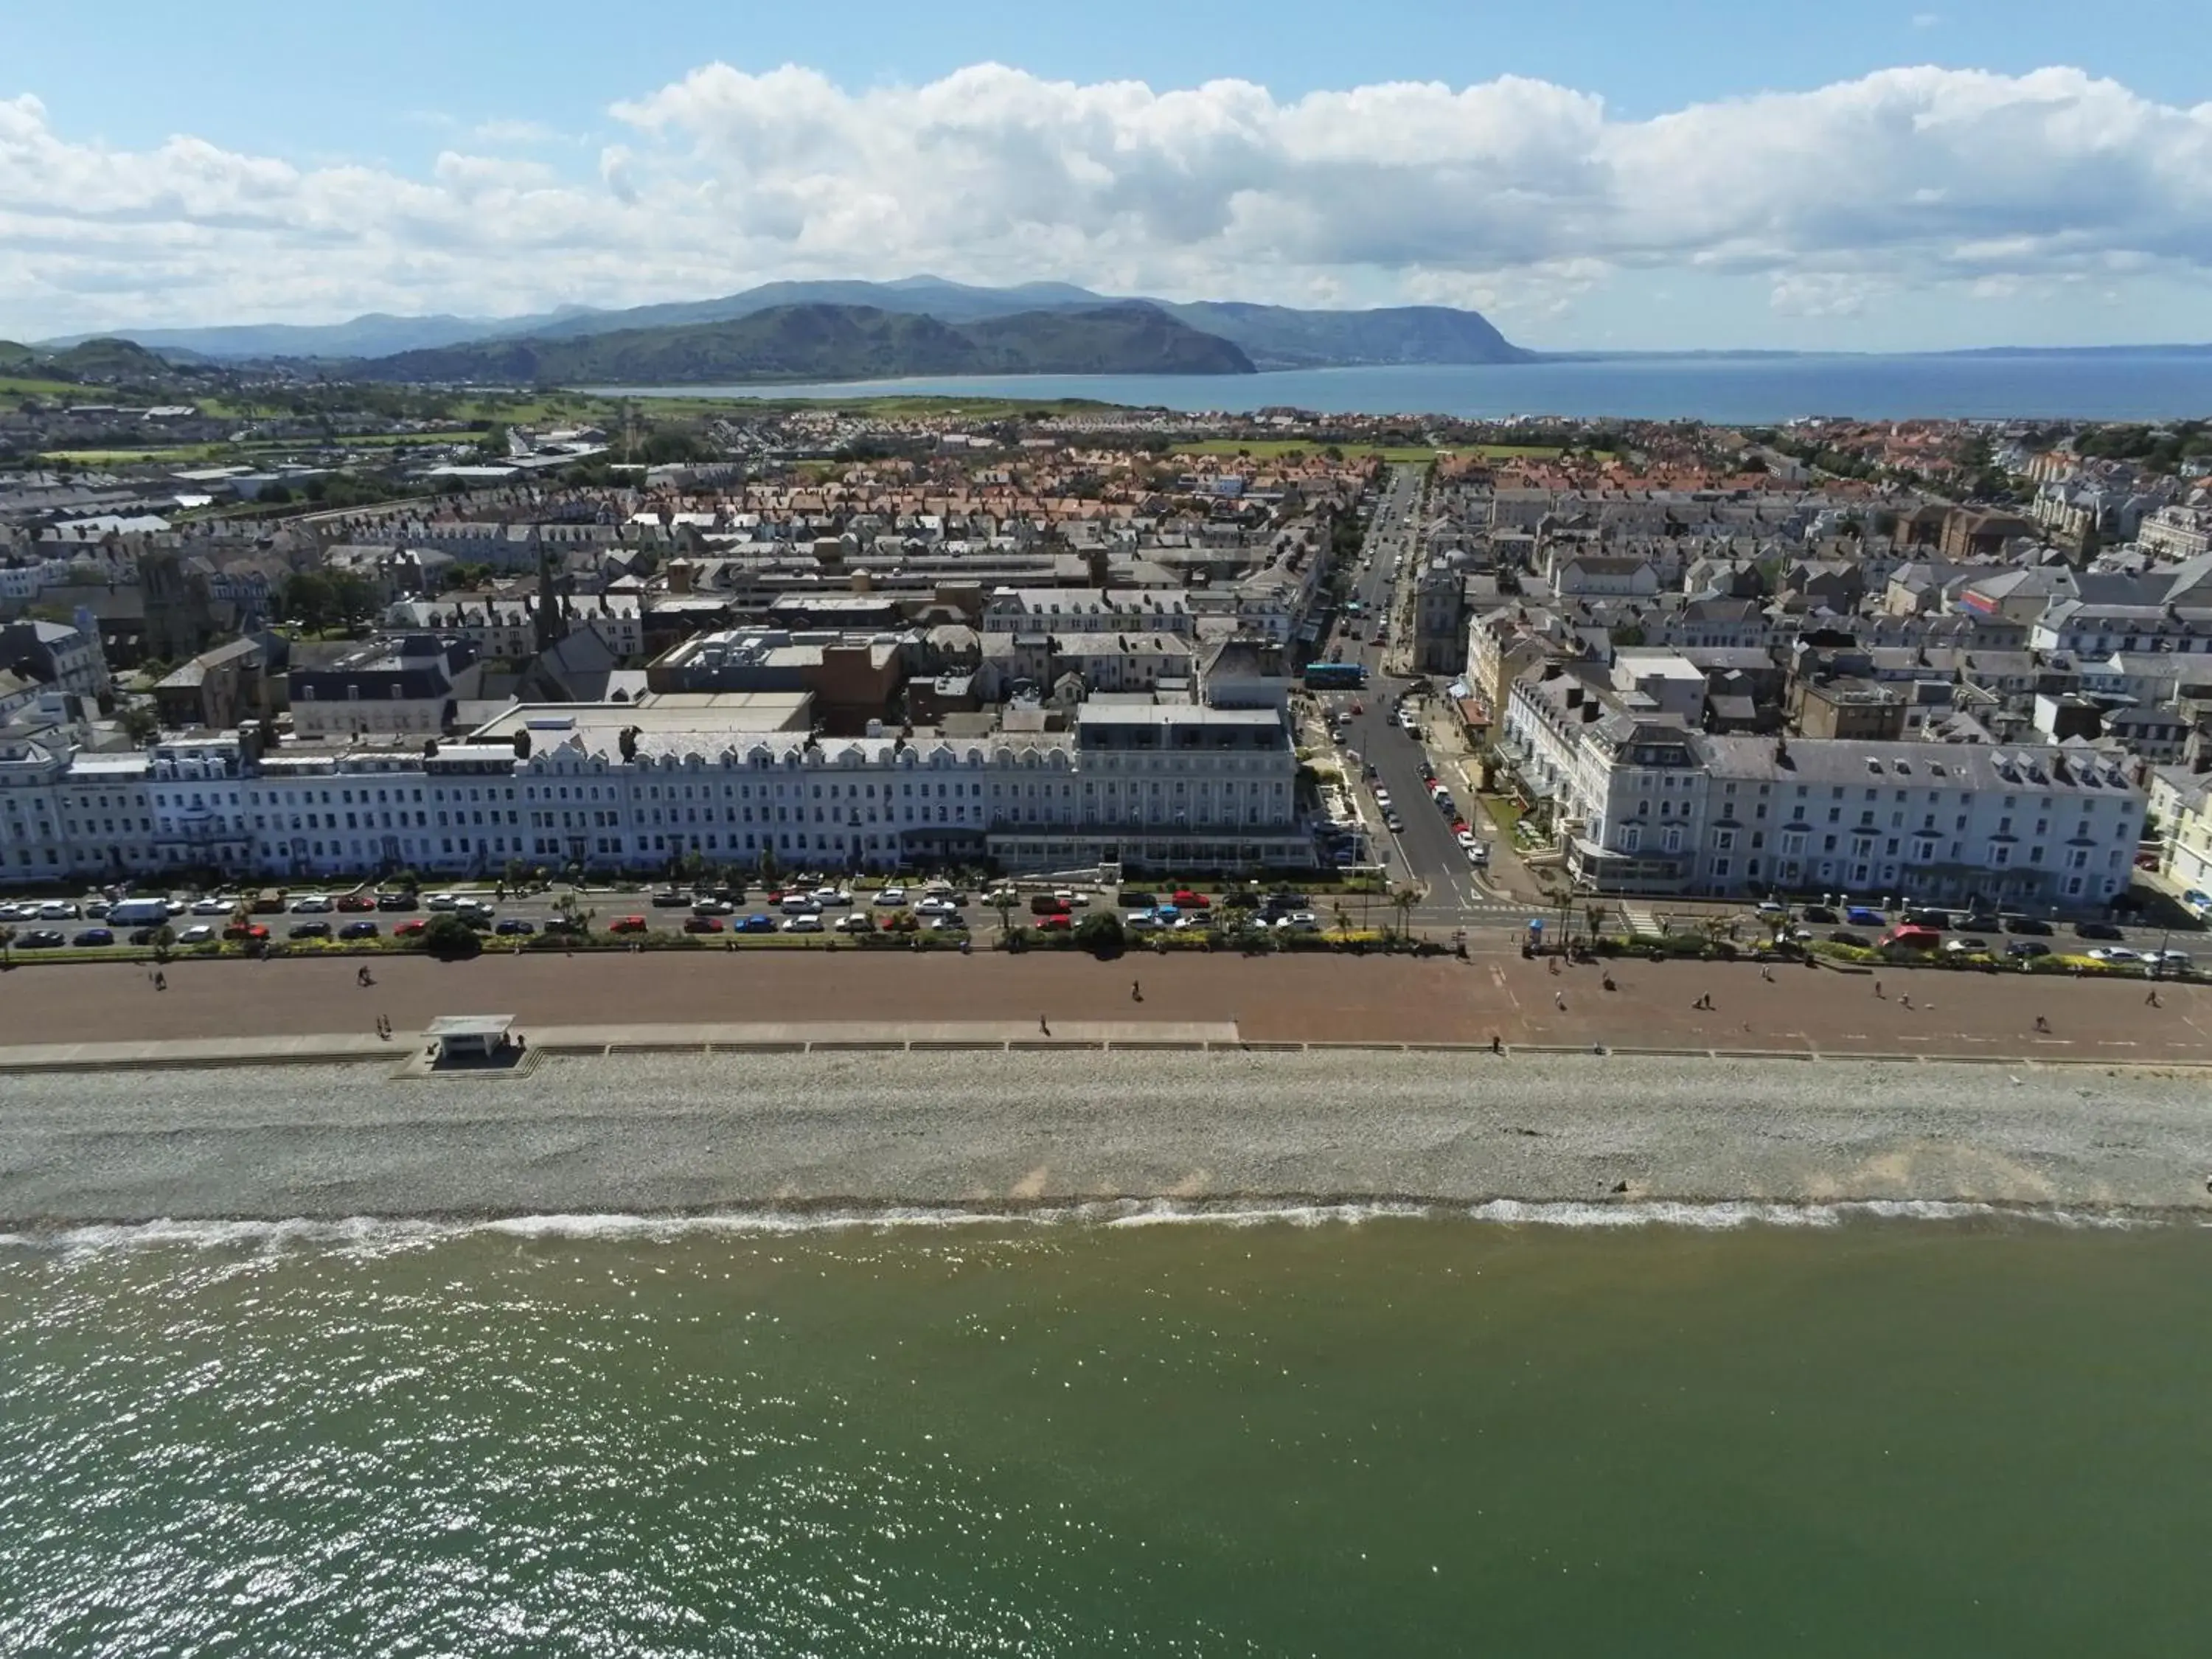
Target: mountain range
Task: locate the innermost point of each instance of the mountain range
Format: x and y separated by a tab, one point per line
1034	327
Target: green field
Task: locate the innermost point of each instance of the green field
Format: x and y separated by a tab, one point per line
14	385
260	448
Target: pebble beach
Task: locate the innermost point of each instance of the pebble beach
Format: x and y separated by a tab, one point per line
653	1133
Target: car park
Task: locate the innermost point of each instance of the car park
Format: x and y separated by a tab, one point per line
91	938
810	922
512	925
309	930
358	930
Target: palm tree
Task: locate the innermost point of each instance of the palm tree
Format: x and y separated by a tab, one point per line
7	945
1343	918
1003	903
1403	902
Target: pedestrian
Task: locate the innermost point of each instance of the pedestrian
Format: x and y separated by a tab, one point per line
1559	1000
2043	1024
161	981
2152	1000
1767	974
1907	1000
1041	1026
1497	1043
1877	987
1136	992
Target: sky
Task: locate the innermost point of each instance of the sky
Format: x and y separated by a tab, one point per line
1591	174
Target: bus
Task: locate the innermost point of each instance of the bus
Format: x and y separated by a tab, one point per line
1335	676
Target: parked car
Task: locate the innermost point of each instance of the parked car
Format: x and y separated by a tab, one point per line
512	926
1864	916
357	902
2097	930
1393	821
702	924
42	939
410	929
199	933
214	906
890	896
670	899
309	930
57	910
395	901
627	924
2114	953
936	907
2169	962
1054	924
359	930
313	904
1966	947
1186	899
1140	922
1044	904
566	925
857	921
1980	921
810	922
1935	921
711	908
1821	913
93	937
2029	926
2027	949
825	897
755	924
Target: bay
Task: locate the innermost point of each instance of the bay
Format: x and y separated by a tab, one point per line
1421	1434
2119	385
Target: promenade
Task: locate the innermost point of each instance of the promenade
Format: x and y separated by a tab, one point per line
315	1008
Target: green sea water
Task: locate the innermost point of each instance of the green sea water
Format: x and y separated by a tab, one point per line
1412	1435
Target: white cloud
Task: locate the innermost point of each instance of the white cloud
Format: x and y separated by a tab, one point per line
1515	193
506	131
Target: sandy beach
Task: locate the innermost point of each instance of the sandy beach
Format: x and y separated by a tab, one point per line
659	1132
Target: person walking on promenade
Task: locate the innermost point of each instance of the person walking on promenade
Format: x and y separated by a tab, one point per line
1497	1043
160	980
1907	1000
1877	987
1559	1000
2152	1000
1136	992
1041	1026
1767	974
2043	1025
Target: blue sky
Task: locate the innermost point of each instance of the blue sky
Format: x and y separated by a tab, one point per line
1703	174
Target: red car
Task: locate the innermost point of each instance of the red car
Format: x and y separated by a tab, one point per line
357	902
1186	900
702	924
409	928
627	924
1062	922
245	930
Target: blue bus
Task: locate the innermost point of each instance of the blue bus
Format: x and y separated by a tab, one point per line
1335	676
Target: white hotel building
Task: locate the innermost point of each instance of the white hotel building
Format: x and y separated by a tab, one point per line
1647	804
627	786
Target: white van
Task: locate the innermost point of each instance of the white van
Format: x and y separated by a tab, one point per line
138	913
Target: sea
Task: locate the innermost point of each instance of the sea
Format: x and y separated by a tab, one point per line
2116	385
1131	1429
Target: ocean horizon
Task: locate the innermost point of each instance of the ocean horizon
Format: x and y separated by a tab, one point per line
2147	385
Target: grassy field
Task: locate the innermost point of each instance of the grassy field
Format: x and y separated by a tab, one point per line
246	453
16	386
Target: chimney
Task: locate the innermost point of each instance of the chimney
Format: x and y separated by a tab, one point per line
679	576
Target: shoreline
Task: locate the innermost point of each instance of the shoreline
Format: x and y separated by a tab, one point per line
866	1133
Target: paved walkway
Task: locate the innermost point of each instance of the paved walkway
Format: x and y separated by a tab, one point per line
314	1009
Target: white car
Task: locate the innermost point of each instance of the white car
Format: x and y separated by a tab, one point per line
857	923
808	923
1140	920
1300	921
314	904
1194	921
832	895
214	906
1381	797
56	911
937	907
199	933
889	896
441	901
800	904
2113	953
2174	960
1072	899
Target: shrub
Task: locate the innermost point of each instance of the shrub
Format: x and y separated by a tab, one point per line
1101	933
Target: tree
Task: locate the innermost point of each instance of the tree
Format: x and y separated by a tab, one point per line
165	940
139	722
1003	903
308	599
1403	902
352	598
449	938
1102	934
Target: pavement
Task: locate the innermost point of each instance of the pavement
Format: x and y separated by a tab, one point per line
314	1009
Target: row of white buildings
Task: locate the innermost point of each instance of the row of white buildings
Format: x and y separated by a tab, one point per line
1644	803
634	787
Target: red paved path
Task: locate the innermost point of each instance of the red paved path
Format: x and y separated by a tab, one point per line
1311	998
